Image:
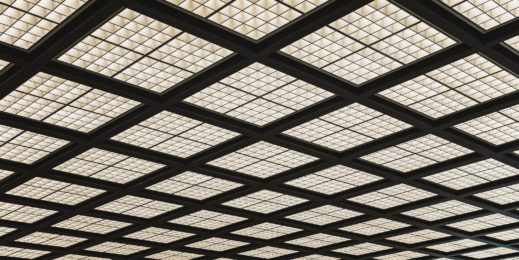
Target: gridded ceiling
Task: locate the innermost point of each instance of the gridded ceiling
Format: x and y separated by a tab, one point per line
272	129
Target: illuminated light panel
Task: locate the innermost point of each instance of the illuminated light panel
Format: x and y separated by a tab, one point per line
262	160
513	42
482	223
144	52
24	23
54	191
324	215
207	219
80	257
486	14
91	224
496	128
371	41
49	239
266	231
3	64
258	95
456	245
65	103
173	255
441	210
254	19
404	255
392	196
317	240
507	235
493	252
376	226
454	87
26	147
4	174
417	153
174	134
347	127
418	236
138	207
501	196
117	248
362	249
21	252
316	257
108	166
333	180
268	252
25	214
473	174
159	235
6	230
194	185
264	201
217	244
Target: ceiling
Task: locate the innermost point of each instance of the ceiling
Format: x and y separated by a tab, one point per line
272	129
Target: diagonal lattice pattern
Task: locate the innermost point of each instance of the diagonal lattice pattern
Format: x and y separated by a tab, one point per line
233	129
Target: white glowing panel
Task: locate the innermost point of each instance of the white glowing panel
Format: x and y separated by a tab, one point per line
404	255
316	257
417	153
482	223
25	22
347	127
138	207
507	235
376	226
456	245
217	244
80	257
254	19
159	235
117	248
268	252
262	160
264	201
493	252
25	214
266	231
362	249
454	87
173	255
194	185
174	134
65	103
108	166
317	240
333	180
207	219
473	174
21	252
441	210
144	52
258	95
513	42
26	147
55	191
496	128
418	236
324	215
371	41
487	14
91	224
50	239
501	196
392	196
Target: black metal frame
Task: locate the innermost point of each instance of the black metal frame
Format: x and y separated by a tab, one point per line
41	58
